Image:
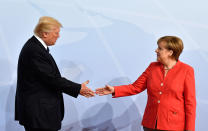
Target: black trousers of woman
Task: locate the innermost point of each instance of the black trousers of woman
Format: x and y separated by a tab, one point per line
148	129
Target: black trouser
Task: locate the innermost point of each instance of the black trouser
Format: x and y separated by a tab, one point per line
148	129
36	129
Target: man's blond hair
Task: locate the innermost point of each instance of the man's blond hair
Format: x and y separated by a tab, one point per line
46	24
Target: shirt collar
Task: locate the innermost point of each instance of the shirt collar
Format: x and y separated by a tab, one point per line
41	41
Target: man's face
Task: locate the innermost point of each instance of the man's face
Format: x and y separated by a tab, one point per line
51	37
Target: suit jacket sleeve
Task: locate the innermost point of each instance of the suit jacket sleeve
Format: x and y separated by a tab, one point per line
48	74
190	100
138	86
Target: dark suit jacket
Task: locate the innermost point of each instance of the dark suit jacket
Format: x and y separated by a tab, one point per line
39	100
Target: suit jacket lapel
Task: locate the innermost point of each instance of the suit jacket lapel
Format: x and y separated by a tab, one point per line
48	54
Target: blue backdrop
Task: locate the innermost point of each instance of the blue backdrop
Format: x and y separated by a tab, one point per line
107	42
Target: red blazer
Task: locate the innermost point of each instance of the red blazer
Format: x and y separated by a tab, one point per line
171	99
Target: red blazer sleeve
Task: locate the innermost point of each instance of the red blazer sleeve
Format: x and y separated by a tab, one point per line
190	100
138	86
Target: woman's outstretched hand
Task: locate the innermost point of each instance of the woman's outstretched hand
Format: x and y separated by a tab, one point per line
105	90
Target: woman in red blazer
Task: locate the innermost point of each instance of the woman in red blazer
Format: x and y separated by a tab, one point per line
170	85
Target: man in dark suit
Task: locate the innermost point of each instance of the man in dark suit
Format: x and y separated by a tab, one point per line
39	102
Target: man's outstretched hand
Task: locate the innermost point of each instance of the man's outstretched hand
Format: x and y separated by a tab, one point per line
85	91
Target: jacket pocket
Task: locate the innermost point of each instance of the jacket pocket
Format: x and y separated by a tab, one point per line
173	115
48	101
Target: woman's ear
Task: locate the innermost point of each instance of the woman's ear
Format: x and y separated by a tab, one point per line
171	53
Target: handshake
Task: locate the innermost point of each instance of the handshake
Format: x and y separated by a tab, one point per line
87	92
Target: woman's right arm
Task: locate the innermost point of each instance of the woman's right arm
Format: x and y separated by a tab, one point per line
138	86
126	90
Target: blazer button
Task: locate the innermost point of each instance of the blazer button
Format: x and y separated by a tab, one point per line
158	101
161	84
160	92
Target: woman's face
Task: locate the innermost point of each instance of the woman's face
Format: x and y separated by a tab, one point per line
163	54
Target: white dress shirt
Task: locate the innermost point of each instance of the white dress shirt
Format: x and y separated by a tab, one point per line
41	41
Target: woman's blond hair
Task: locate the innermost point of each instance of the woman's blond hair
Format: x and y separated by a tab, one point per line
173	43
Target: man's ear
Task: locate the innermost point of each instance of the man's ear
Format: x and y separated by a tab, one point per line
44	34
